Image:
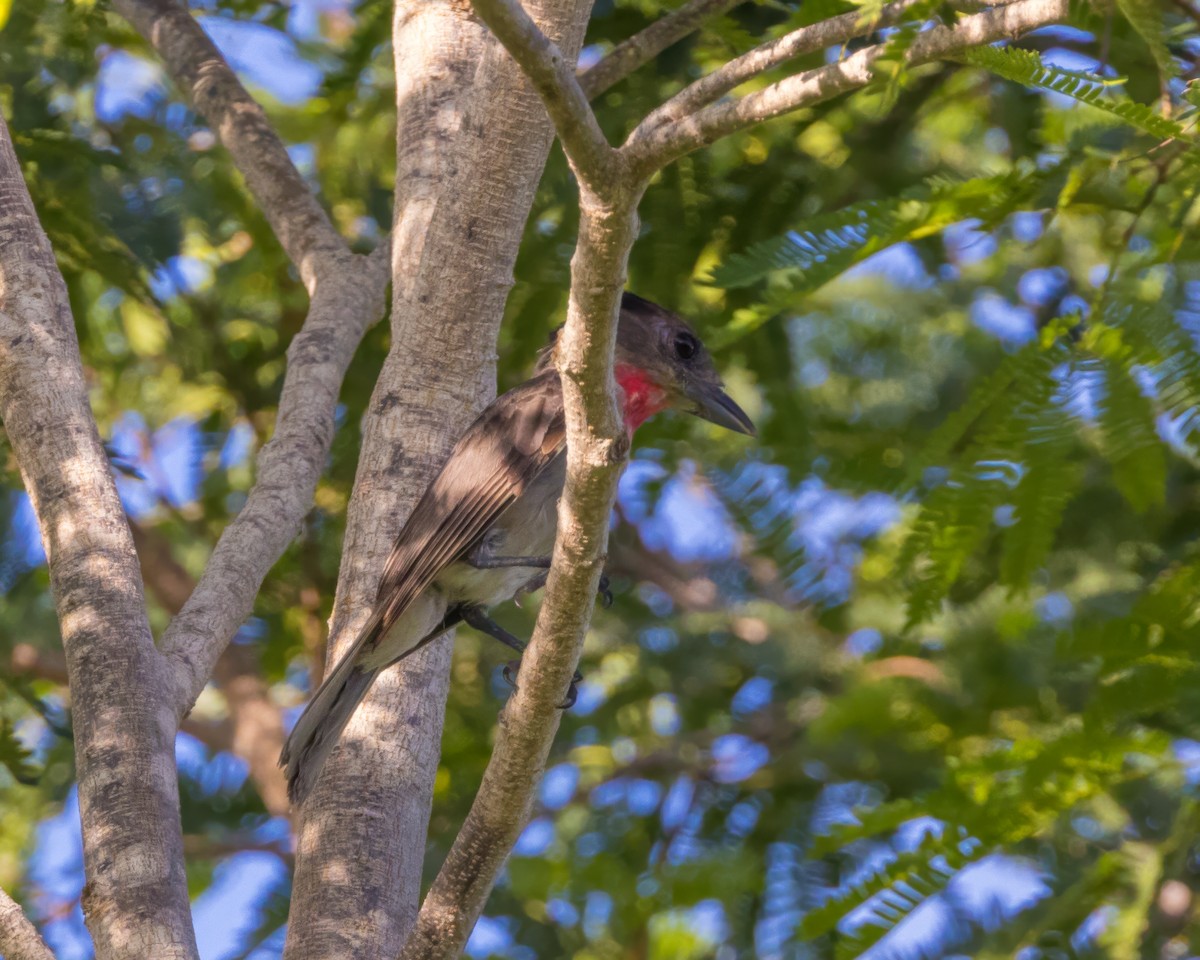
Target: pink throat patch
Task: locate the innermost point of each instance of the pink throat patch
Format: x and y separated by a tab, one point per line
643	397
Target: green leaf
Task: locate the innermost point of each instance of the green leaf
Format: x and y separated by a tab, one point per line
1026	67
1145	16
829	244
14	756
871	823
1049	482
905	883
1133	447
1021	426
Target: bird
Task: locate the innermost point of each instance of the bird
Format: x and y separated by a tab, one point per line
482	532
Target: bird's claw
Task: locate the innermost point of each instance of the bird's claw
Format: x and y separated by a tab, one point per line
513	667
572	692
604	592
532	586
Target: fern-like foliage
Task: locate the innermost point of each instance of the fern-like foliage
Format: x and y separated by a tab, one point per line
891	893
872	822
14	756
1050	479
1145	16
1134	449
831	243
1018	457
1026	67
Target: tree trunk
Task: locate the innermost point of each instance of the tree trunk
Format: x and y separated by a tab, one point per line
472	139
136	900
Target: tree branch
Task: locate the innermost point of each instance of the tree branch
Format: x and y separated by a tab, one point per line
347	294
200	71
344	305
466	175
19	939
553	76
644	46
255	728
136	900
597	448
817	36
650	150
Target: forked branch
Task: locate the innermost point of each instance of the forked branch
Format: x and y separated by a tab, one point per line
649	149
644	46
347	296
611	185
553	76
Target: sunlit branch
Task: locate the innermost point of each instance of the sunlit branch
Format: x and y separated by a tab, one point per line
136	897
19	939
632	53
343	307
199	69
817	36
553	76
649	150
597	447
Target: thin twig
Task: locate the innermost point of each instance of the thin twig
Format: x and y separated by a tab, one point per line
628	55
650	150
817	36
199	69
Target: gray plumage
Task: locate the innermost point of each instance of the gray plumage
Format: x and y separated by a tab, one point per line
496	497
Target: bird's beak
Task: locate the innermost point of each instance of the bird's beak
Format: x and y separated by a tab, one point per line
715	405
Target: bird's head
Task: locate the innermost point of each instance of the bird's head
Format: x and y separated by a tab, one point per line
661	364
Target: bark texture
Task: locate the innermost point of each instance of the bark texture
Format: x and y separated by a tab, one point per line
300	223
19	939
347	296
136	899
611	185
597	449
466	176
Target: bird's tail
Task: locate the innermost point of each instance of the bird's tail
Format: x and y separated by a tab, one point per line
321	724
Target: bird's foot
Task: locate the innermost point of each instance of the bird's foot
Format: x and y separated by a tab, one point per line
603	591
531	587
510	677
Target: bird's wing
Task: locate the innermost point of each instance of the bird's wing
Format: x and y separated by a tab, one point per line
502	452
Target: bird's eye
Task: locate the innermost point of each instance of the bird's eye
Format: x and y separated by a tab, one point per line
686	345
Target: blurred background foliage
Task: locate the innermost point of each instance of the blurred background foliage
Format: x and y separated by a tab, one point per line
914	675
